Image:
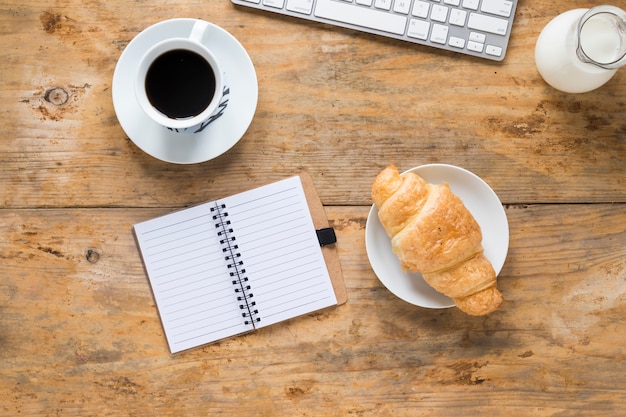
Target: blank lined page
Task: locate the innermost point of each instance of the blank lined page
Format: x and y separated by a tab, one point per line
280	251
190	282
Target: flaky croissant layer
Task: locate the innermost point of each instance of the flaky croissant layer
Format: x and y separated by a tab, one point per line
433	233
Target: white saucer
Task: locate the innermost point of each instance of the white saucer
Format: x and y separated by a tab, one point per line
219	136
479	199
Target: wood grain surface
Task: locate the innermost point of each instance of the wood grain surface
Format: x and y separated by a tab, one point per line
79	330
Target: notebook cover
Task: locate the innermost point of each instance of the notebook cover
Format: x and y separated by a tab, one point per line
329	252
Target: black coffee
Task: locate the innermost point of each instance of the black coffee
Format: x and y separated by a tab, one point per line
180	83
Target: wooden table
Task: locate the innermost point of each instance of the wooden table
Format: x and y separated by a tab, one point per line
79	330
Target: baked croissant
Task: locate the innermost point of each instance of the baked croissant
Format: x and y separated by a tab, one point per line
433	233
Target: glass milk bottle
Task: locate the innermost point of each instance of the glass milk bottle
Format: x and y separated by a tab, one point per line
581	49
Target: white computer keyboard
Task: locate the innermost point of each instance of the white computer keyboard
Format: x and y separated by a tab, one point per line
475	27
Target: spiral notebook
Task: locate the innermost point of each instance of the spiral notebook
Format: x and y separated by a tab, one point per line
247	261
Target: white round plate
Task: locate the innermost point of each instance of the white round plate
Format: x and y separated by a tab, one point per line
219	136
479	199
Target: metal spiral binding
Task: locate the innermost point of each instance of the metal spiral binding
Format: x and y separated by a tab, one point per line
235	265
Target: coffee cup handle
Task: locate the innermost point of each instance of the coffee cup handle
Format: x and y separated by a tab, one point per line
197	32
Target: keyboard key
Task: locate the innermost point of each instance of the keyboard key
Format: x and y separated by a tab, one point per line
383	4
439	34
274	3
402	6
457	17
418	29
300	6
487	24
420	9
360	16
477	37
475	46
439	13
470	4
493	50
498	7
456	42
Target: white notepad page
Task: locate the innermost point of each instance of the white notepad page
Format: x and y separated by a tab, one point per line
279	250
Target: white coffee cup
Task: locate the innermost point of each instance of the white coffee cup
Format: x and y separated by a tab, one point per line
179	83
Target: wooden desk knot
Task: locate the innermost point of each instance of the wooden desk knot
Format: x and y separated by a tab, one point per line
56	96
92	256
